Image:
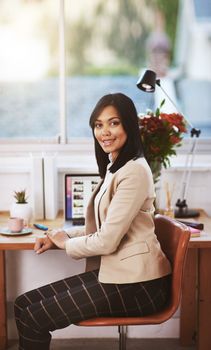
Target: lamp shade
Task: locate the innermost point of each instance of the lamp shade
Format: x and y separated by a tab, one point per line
147	82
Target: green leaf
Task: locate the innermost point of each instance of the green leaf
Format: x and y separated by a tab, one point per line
20	196
162	103
157	112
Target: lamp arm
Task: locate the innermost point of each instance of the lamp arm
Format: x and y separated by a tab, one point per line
173	103
194	133
188	168
181	204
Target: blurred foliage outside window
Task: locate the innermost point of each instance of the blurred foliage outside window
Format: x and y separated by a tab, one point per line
104	39
110	36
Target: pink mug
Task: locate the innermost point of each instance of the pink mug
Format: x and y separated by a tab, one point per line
15	224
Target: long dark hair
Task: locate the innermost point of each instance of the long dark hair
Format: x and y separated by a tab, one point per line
132	148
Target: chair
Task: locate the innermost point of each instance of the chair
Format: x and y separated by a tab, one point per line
173	237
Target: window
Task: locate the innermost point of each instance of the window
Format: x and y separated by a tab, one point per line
97	62
105	45
197	110
202	9
105	50
29	99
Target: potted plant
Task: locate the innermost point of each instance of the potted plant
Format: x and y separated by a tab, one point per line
21	207
20	196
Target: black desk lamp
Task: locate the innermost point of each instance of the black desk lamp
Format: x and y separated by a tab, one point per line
147	83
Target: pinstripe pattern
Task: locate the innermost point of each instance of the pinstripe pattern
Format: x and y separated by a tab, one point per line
59	304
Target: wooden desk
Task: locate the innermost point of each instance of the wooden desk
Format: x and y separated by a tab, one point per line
195	318
14	243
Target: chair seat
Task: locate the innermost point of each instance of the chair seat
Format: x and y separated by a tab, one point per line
157	318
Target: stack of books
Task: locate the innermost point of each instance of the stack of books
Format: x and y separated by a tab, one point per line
195	228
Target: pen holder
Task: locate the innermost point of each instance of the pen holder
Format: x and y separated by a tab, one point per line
169	211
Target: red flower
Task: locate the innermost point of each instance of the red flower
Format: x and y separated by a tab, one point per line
161	133
175	139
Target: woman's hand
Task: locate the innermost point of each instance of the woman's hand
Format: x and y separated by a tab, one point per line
58	237
43	244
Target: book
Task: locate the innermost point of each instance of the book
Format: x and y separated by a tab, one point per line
195	232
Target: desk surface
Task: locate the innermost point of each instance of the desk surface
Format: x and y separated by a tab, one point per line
204	241
27	241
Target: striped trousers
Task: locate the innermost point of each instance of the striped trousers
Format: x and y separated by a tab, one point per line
59	304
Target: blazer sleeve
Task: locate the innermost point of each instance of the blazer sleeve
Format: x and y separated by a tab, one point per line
75	231
131	192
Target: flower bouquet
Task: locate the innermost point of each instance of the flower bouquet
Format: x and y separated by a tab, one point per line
161	133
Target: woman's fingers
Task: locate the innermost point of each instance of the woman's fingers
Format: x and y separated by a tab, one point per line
42	244
38	244
54	238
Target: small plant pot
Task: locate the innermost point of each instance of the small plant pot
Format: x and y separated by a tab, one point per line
22	210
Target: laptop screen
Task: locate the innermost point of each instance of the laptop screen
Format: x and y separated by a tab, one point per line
78	190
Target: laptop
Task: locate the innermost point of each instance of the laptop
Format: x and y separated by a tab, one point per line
78	189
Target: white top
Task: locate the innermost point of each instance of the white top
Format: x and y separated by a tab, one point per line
103	187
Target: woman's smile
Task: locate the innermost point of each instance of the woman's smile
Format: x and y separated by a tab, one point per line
109	131
108	142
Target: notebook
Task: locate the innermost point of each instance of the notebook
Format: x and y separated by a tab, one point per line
78	190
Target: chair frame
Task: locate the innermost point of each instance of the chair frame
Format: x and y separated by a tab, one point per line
174	238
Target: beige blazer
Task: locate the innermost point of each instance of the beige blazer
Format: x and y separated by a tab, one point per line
119	237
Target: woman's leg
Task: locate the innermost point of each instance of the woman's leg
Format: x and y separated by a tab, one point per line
152	296
59	304
45	309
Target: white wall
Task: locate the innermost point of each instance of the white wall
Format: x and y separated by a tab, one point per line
199	191
18	173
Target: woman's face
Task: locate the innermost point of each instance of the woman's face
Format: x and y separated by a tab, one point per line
109	131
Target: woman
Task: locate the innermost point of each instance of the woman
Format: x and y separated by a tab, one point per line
127	273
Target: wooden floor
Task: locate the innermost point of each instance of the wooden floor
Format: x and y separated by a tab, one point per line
112	344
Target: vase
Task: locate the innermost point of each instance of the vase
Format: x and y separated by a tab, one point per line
156	167
22	210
